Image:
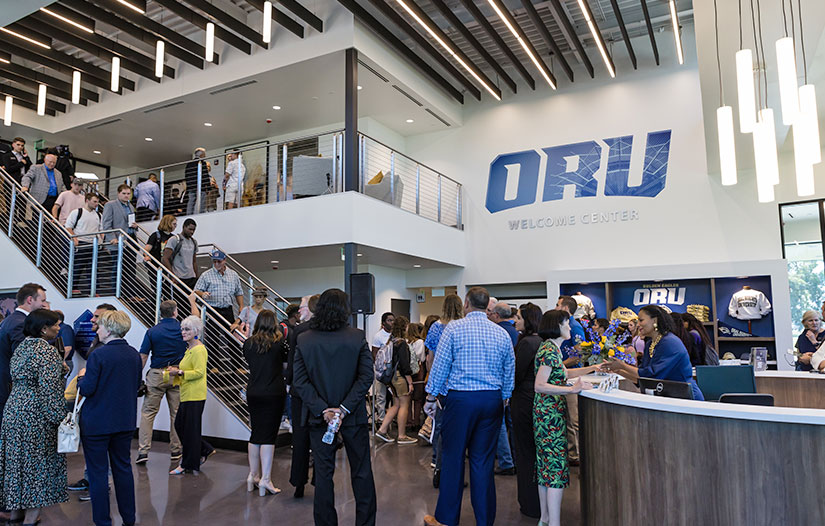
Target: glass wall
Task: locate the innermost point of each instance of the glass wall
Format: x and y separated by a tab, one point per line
802	225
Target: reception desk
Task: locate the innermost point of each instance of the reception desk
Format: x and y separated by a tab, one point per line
792	388
648	460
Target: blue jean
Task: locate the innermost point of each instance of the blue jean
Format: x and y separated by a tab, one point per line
472	420
505	458
436	438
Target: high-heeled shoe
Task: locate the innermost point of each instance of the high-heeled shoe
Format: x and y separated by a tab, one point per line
251	482
265	486
177	471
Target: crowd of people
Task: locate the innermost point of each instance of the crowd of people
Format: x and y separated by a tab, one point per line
493	383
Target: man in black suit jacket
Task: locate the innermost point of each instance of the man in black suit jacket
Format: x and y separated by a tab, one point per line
30	297
332	374
17	162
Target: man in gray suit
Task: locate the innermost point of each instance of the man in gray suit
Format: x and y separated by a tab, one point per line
118	214
44	182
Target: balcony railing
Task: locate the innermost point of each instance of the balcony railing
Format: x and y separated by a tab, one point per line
295	169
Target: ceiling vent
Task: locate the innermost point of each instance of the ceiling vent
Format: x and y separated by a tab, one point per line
445	123
373	71
150	110
236	86
105	123
401	91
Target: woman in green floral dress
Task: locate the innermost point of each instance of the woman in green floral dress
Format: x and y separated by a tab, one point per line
549	408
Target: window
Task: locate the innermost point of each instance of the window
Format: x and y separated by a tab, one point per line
802	226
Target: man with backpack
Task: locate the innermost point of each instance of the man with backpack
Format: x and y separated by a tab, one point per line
180	253
381	339
82	221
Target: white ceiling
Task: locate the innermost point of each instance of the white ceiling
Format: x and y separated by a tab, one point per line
310	94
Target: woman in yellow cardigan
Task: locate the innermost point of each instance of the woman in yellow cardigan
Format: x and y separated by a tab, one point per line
190	374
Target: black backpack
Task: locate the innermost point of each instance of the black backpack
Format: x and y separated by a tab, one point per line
80	214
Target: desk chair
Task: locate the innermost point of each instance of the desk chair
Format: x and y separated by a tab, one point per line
747	399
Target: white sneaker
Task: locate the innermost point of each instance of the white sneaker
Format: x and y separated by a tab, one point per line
286	426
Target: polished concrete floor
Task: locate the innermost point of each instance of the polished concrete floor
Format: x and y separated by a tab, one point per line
218	494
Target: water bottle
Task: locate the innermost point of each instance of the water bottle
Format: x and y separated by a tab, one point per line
332	428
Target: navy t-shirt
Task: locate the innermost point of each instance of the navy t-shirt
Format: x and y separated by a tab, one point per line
165	343
803	345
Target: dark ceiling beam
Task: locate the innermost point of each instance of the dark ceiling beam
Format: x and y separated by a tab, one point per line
33	84
548	38
444	38
425	45
468	36
74	37
32	98
539	63
25	104
623	29
231	23
200	21
649	25
97	51
304	14
134	31
150	25
389	37
570	34
50	81
66	64
280	17
493	34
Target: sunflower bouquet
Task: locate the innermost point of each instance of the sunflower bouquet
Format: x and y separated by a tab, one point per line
610	344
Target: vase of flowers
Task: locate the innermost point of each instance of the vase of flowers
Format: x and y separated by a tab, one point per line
610	344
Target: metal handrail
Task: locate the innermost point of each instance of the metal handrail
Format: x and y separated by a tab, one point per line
239	150
395	152
208	313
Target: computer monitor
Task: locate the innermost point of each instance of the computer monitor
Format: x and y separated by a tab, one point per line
716	380
667	388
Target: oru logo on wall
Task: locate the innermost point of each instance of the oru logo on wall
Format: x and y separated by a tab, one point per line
576	164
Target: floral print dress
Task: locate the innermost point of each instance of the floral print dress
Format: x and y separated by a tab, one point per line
32	472
549	428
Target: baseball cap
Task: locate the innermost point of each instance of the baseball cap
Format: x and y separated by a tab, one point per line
218	254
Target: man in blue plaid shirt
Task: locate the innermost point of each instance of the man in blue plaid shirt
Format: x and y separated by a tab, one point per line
473	373
219	285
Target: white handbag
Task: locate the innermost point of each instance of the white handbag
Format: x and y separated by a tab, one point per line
68	433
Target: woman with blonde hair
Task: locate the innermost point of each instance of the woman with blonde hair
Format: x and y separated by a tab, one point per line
157	241
190	374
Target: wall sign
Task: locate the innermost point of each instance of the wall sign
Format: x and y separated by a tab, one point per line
575	164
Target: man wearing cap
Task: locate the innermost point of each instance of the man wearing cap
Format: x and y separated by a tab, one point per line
217	286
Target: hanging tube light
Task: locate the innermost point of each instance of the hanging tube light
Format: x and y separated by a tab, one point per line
767	161
788	87
159	51
41	100
809	124
267	29
75	87
115	74
7	110
746	89
210	41
804	167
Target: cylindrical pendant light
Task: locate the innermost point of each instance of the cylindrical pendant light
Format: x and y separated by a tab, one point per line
788	86
41	100
727	149
746	90
267	30
115	74
210	41
7	112
159	51
804	168
75	87
767	160
809	124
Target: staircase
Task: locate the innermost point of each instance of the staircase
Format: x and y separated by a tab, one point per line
129	273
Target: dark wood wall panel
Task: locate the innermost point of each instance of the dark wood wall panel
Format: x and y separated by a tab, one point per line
645	467
794	392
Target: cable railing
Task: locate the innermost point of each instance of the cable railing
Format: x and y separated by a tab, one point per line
401	181
113	263
295	169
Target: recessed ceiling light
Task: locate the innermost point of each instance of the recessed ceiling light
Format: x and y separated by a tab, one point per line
96	152
275	261
409	121
147	139
276	107
417	266
359	255
207	124
360	88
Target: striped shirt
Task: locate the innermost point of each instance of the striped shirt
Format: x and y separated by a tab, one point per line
474	354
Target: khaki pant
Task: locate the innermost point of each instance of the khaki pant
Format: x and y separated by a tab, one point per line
155	391
572	426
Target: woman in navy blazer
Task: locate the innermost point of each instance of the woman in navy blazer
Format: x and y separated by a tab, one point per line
109	383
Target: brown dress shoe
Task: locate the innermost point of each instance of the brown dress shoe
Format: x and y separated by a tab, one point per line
429	520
